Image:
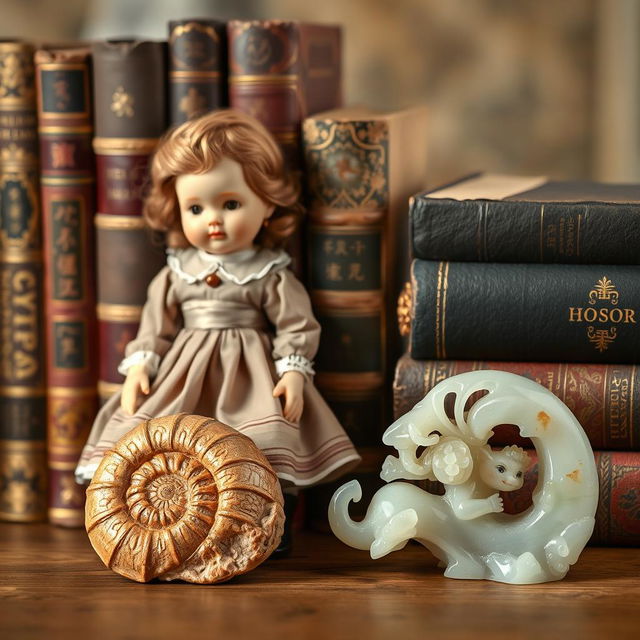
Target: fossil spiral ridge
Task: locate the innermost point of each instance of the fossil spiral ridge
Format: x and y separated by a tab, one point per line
184	497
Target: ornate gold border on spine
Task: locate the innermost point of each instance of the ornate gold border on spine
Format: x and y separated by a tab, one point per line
122	313
354	382
192	75
10	391
72	392
346	217
50	181
21	517
124	146
58	465
18	256
118	223
22	446
286	137
76	515
356	300
291	80
58	129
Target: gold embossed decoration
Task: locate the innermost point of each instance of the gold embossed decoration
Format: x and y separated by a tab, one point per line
184	497
404	310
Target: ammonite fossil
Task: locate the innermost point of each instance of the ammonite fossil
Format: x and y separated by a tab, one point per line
184	497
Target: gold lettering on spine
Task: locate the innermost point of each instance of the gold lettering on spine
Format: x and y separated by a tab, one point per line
619	416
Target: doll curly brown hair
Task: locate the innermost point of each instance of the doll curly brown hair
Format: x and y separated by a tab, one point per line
197	146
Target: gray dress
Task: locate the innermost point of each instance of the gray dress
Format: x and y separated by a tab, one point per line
218	351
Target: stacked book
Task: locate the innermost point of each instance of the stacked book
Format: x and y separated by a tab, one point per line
541	279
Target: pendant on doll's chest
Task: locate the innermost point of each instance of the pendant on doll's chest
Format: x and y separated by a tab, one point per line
213	280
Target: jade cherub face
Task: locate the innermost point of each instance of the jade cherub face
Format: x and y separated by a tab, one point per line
504	469
219	212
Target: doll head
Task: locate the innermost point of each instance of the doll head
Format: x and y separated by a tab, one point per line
218	141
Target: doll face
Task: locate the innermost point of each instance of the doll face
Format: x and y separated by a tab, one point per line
219	212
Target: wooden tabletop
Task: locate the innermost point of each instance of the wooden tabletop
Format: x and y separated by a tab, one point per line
52	585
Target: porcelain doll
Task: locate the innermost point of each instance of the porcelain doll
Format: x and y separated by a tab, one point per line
227	330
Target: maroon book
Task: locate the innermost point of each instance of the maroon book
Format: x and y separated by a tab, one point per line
280	72
67	167
605	398
129	82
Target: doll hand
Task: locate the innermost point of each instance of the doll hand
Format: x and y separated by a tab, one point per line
137	381
291	386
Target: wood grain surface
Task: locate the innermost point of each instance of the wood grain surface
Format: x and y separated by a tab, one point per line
53	586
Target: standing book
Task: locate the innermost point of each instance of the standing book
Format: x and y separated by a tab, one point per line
280	72
65	126
23	465
129	84
361	169
197	68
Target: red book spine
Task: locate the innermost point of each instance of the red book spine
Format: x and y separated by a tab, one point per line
129	84
65	126
605	398
618	513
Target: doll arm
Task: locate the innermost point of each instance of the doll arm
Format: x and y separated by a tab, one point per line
297	332
295	341
159	324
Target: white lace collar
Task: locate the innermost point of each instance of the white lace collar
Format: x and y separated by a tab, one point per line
192	265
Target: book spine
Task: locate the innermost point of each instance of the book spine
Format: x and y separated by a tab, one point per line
605	398
347	275
197	68
279	72
265	80
129	84
65	127
527	312
23	467
518	231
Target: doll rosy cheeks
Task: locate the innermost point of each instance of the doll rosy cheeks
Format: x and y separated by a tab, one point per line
220	214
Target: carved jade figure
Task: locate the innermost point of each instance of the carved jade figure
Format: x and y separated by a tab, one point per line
465	528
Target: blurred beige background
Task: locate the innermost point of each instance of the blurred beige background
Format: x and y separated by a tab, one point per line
520	87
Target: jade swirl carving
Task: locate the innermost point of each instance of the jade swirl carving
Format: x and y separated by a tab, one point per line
465	528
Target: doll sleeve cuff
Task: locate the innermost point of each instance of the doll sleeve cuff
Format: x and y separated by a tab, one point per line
295	362
150	359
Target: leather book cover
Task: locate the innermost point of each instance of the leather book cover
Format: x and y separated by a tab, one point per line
280	72
23	464
528	312
130	87
197	68
67	178
605	398
499	218
360	172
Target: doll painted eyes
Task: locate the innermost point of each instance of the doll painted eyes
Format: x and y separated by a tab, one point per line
228	205
501	468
